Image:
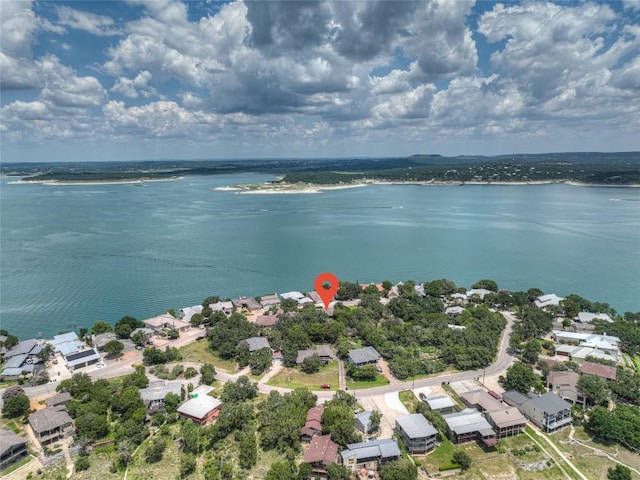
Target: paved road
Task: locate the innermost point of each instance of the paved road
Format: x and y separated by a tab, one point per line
114	369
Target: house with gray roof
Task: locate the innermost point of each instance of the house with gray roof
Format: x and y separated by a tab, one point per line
67	343
101	339
187	312
547	411
268	301
257	343
544	301
82	359
25	347
248	303
154	394
441	403
481	292
588	317
13	448
61	398
17	364
324	352
565	385
514	398
469	425
370	455
225	307
362	421
417	433
363	356
51	424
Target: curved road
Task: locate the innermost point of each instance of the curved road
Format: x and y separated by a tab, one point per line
500	365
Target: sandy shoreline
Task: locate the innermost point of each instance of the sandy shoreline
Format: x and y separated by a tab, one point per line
105	182
281	189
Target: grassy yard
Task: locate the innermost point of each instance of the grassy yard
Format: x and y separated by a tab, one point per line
15	466
200	352
491	464
360	384
585	459
294	378
454	396
409	400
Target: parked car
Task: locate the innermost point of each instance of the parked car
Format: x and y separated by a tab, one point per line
422	396
325	385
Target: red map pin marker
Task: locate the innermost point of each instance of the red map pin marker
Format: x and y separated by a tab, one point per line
326	294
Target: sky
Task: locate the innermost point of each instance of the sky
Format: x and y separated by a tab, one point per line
165	79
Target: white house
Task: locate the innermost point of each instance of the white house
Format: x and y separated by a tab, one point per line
544	301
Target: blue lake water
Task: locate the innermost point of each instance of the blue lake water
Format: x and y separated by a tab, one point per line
71	255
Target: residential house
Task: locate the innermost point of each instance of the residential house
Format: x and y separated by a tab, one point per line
67	343
514	398
315	298
297	296
481	400
154	394
506	422
257	343
547	411
188	312
362	421
481	292
588	317
225	307
565	385
147	332
370	455
363	356
249	304
606	372
58	399
82	359
544	301
321	452
51	424
417	433
441	403
454	311
469	425
313	423
12	448
201	408
587	345
160	322
26	347
459	298
101	339
324	352
16	365
266	320
268	301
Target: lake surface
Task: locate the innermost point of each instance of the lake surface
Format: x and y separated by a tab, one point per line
71	255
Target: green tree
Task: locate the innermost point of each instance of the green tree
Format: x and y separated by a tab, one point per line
191	436
399	470
126	325
487	284
594	388
260	361
139	338
311	364
248	449
187	465
461	458
114	348
100	327
15	406
337	471
566	323
374	421
197	319
619	472
531	351
46	353
348	291
208	374
82	463
173	334
282	471
155	450
520	377
171	402
239	391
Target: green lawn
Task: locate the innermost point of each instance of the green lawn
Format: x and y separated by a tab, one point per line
409	400
361	384
199	352
294	378
15	466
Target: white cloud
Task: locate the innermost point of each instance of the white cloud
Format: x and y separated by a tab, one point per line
99	25
18	25
132	88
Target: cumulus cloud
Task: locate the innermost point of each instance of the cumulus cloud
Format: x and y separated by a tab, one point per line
133	88
99	25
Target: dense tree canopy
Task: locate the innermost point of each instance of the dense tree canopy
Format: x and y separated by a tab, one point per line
520	377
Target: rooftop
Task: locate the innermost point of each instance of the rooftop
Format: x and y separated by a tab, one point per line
482	399
158	390
266	320
508	417
199	407
321	450
467	421
439	402
416	426
10	440
549	403
364	355
588	317
49	418
381	448
604	371
58	399
257	343
514	397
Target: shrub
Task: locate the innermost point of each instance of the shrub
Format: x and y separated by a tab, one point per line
82	463
451	466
